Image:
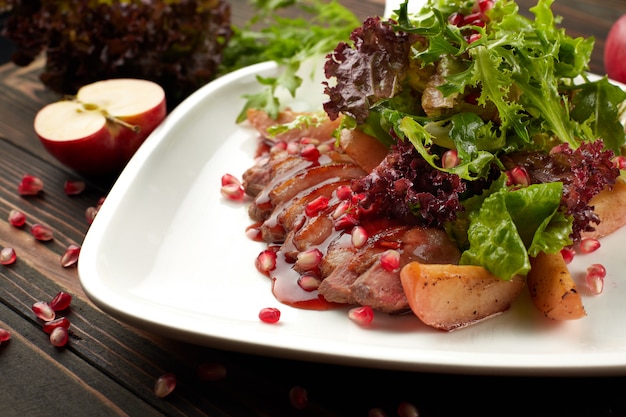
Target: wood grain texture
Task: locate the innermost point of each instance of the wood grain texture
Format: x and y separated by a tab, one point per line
109	368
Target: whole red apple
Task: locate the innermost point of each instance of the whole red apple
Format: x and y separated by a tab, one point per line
99	130
615	51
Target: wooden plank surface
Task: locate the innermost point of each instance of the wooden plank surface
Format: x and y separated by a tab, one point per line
109	368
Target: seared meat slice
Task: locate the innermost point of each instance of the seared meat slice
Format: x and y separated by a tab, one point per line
291	214
312	177
277	169
362	280
336	287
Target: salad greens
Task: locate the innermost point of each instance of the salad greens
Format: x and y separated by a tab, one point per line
271	35
503	91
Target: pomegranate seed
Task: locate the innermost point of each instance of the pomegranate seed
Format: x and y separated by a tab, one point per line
406	409
228	179
475	36
41	232
59	336
568	254
90	214
49	326
450	159
456	19
293	148
344	192
30	185
359	236
43	311
595	278
254	233
361	315
309	141
324	148
518	176
309	259
269	315
266	261
309	282
390	260
484	6
341	209
233	192
316	206
310	153
17	218
5	335
74	187
299	398
7	256
589	245
164	385
620	162
211	371
61	301
347	221
70	257
279	146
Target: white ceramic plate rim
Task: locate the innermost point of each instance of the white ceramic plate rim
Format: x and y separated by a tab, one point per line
166	253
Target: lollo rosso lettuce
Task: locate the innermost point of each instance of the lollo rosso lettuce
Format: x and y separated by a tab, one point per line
503	92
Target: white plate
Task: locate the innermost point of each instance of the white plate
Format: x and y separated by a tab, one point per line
168	254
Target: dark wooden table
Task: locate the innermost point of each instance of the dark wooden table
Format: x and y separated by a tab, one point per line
109	368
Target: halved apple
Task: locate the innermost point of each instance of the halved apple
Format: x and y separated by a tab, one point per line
98	131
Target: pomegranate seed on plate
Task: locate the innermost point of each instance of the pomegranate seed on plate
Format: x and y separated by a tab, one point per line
595	278
390	260
59	336
310	153
164	385
359	236
309	259
61	301
17	218
568	254
7	256
229	179
309	282
266	261
343	192
347	221
30	185
49	326
41	232
43	311
269	315
70	257
361	315
233	192
315	206
74	187
5	335
589	245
